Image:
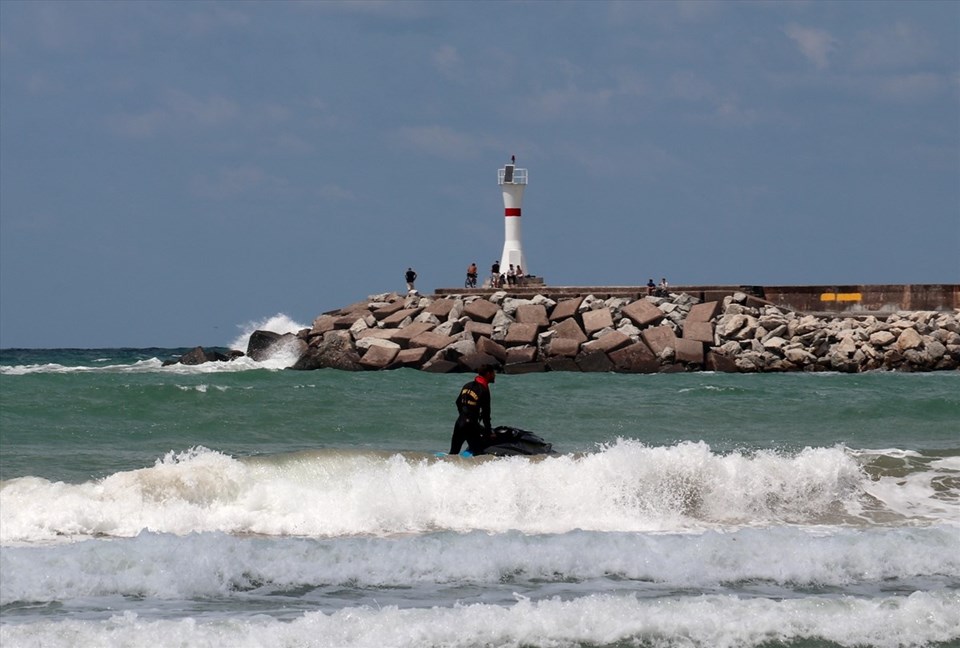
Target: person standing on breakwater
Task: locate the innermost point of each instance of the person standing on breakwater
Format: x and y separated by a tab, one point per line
410	276
495	275
472	275
473	407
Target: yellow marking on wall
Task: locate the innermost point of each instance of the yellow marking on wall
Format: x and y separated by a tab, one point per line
840	297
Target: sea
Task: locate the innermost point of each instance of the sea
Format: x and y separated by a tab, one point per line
246	504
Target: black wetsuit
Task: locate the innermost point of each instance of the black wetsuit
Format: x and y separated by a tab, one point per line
473	424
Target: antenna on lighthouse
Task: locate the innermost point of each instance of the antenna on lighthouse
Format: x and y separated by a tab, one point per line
512	181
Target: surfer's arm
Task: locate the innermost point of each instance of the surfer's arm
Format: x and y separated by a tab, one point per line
485	411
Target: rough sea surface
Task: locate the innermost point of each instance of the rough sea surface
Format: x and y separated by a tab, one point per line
241	504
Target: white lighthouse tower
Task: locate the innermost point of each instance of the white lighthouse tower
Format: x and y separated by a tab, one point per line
512	181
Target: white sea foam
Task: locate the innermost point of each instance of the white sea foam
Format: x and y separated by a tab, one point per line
278	323
165	566
141	366
623	487
283	357
714	621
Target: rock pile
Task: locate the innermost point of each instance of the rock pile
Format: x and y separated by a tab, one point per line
771	339
651	334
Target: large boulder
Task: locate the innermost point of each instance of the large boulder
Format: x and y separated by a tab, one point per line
199	355
397	318
481	310
521	355
379	356
562	363
532	314
909	339
635	358
721	363
660	338
704	312
487	346
432	341
260	343
387	310
698	331
322	324
597	320
568	328
479	330
335	351
566	308
473	361
643	312
595	361
407	333
689	351
565	347
441	307
520	334
411	357
608	342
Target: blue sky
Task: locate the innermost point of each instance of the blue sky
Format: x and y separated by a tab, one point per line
172	171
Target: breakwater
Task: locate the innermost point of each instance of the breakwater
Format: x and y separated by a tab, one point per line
628	332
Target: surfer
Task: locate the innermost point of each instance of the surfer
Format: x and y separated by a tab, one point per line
473	406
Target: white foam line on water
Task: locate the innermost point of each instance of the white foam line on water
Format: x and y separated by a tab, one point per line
215	564
713	621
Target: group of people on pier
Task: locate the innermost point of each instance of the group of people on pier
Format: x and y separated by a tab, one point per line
663	290
512	277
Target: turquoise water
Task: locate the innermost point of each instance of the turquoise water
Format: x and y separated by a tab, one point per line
240	503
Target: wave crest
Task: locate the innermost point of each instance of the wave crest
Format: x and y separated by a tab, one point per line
626	486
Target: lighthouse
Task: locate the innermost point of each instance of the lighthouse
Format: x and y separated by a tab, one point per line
512	181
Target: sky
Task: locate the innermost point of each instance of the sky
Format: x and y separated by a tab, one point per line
173	172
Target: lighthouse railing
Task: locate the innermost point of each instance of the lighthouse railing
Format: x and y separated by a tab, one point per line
519	176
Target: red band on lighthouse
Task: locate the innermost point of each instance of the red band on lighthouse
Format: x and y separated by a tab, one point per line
511	211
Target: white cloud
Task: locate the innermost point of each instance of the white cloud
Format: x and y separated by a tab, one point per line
697	10
176	110
233	182
690	86
910	88
815	44
724	105
204	23
729	110
446	60
440	141
138	126
898	46
56	28
211	111
287	143
335	193
568	102
630	82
